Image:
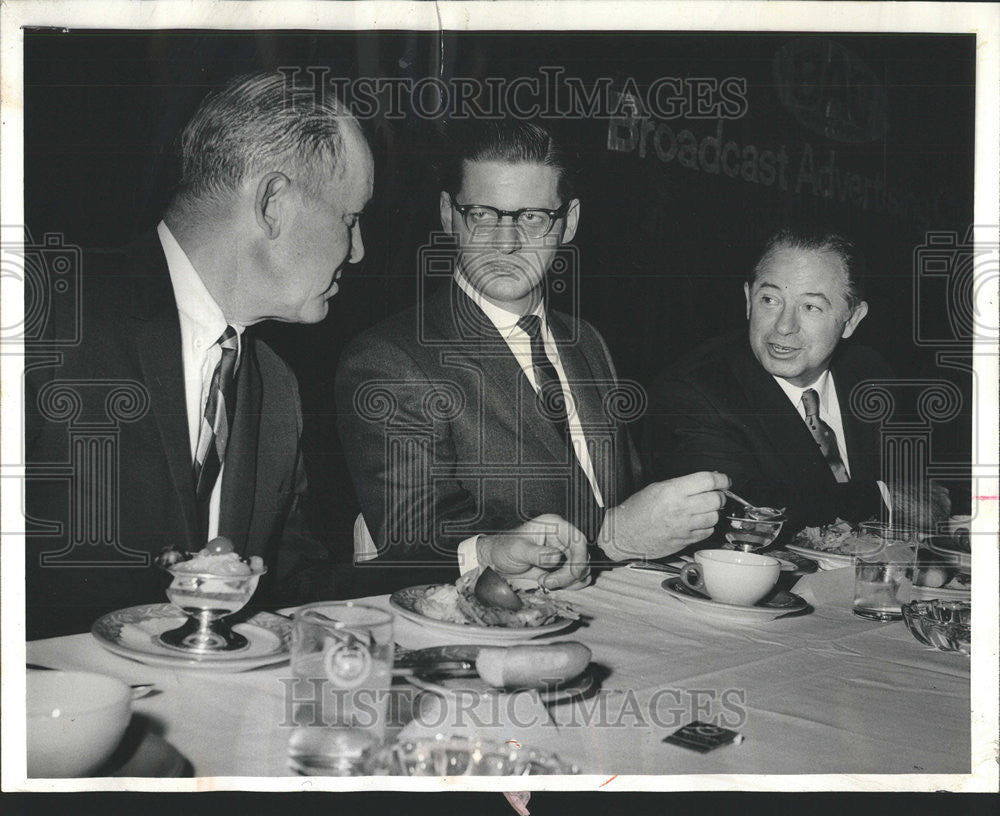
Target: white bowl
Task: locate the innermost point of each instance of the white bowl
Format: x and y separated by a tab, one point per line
75	720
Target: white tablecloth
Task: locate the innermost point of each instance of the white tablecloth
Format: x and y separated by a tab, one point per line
816	694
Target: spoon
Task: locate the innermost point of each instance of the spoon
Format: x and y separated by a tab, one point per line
492	590
763	513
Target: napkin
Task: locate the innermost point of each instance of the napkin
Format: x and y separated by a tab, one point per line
827	587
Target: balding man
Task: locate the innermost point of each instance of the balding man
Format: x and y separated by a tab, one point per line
264	220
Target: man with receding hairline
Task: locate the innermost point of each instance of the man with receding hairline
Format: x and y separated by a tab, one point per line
263	221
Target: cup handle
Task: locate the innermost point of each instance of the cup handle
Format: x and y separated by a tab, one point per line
692	577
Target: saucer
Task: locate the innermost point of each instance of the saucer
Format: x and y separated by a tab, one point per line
134	633
773	606
142	753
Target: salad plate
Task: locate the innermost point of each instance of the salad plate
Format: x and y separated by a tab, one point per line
135	633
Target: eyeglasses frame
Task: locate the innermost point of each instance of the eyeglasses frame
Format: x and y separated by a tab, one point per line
555	215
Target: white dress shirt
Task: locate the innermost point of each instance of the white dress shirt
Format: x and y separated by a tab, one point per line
202	324
829	407
829	412
520	346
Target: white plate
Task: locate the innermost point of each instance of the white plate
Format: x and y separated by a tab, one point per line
826	560
731	612
134	633
403	602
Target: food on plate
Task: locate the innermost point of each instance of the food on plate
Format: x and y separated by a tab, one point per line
529	666
839	538
457	603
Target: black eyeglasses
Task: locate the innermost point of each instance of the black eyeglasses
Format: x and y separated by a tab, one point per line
531	222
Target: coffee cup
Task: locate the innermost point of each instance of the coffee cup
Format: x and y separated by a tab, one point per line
731	576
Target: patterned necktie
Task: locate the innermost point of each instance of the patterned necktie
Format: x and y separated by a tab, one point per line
824	435
218	418
550	395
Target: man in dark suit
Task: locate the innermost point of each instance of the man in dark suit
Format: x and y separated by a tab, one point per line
771	406
481	418
170	422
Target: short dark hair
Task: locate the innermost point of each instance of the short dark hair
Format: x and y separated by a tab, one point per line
506	140
252	124
818	240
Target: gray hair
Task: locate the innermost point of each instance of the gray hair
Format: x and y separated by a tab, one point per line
819	241
254	124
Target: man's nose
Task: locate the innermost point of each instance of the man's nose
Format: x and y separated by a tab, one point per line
357	244
788	322
506	236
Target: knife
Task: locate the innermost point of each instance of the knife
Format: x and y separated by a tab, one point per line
438	661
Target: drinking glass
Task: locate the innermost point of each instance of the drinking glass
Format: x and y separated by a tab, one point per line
883	574
341	656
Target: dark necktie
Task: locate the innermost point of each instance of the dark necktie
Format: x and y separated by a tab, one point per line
823	434
583	510
218	418
550	394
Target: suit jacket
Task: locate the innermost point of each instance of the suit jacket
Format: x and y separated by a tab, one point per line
718	409
108	448
444	438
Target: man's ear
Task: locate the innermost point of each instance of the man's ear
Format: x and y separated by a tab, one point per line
746	294
856	317
447	212
572	220
270	202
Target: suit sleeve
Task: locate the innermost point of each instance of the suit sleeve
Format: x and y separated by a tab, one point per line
392	418
686	432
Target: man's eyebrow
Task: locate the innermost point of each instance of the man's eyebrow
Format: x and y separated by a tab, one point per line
817	295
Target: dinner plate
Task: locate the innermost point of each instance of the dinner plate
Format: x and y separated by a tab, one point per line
826	560
782	603
477	687
134	633
404	603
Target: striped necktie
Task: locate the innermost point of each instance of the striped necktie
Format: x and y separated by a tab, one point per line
824	435
218	418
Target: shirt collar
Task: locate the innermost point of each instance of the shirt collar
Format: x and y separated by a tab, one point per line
194	301
504	321
794	392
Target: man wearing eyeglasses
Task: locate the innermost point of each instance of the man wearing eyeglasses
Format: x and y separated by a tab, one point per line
477	425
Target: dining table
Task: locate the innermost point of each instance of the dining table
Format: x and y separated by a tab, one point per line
818	692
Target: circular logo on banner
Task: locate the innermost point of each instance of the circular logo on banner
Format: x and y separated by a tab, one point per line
348	664
831	90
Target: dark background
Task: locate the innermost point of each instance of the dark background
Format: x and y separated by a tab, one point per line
662	249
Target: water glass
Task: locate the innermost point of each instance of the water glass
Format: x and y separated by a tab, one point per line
883	576
341	656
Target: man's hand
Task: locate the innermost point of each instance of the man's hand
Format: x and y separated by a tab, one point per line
924	507
664	517
548	549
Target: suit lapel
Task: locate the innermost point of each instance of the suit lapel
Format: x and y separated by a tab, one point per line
779	421
507	393
158	347
857	434
239	478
